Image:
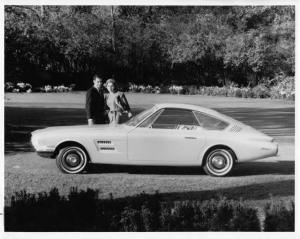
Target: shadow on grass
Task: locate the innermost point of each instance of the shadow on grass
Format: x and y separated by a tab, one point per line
243	169
248	192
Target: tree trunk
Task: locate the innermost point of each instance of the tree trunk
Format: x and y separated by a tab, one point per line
113	43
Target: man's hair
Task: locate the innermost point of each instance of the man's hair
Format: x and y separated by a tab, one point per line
96	76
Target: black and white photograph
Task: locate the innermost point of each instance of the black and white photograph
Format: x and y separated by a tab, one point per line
149	118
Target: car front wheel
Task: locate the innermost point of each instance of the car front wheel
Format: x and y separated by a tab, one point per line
219	162
72	159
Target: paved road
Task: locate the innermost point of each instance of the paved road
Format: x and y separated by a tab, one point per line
252	181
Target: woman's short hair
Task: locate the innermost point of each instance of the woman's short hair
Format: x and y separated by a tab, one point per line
112	81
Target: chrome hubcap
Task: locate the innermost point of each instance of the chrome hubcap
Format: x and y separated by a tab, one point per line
218	161
72	159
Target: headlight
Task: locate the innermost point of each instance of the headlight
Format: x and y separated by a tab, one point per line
34	141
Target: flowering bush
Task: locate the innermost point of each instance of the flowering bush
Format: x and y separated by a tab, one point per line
26	87
133	87
19	87
9	87
192	90
148	89
247	92
144	89
48	88
284	88
176	89
261	91
156	90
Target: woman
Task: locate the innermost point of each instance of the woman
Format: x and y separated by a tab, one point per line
116	102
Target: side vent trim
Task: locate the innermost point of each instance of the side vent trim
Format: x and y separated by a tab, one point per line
236	129
107	148
105	145
104	142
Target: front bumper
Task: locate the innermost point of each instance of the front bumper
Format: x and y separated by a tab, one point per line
42	150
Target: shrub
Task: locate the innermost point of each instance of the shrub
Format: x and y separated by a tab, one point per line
148	89
223	91
19	87
261	91
84	211
213	215
283	88
9	87
133	87
131	220
247	92
164	89
156	90
48	88
244	219
221	219
192	90
182	215
82	207
30	213
175	89
279	217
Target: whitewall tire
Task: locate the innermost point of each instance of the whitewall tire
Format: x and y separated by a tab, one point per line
72	159
219	162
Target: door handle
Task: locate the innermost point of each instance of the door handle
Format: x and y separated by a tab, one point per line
189	137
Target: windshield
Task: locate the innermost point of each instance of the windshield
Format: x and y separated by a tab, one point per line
135	120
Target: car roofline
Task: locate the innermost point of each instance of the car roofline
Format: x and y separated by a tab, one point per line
185	106
202	109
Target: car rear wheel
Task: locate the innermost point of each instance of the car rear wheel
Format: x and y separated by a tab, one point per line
219	162
72	159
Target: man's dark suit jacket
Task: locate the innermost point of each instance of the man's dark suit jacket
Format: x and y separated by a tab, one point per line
95	104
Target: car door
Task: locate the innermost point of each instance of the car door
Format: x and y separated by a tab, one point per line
169	136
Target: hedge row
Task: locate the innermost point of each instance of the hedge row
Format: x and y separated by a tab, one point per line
84	211
281	87
22	87
259	91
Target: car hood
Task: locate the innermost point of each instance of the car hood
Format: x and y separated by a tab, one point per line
81	128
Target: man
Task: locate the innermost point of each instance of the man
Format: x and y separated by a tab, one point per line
95	103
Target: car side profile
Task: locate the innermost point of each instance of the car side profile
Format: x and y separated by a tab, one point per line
166	134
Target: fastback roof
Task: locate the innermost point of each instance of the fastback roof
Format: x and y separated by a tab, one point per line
196	108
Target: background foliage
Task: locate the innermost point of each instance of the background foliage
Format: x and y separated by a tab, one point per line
201	45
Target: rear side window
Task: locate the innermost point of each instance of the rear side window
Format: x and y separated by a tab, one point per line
172	118
210	123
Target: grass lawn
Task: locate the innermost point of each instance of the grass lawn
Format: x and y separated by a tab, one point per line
77	100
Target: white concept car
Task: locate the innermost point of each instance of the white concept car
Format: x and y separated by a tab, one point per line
166	134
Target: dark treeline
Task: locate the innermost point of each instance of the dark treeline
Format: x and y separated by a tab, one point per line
200	45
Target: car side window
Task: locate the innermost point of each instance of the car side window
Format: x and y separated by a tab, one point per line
172	118
147	123
210	123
